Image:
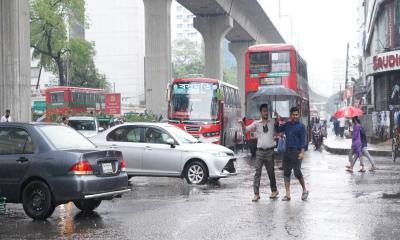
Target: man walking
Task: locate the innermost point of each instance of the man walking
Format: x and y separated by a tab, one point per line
7	117
265	151
295	132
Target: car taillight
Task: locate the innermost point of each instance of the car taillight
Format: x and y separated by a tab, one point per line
122	165
81	168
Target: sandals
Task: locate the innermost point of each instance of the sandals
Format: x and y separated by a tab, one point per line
362	170
372	169
349	170
286	198
304	196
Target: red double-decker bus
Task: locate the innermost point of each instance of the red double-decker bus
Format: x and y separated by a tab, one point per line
270	70
206	108
73	100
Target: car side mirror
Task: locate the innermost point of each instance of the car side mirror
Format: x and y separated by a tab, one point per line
101	129
170	142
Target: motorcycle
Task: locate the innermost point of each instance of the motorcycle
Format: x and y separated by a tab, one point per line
318	138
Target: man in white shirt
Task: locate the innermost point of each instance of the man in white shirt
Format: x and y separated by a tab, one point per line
7	117
265	131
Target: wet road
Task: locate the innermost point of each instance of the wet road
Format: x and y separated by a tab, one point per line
340	206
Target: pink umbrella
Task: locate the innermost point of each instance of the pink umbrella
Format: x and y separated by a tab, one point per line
348	112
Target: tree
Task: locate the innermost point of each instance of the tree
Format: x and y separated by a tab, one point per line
49	38
187	59
230	75
82	70
52	46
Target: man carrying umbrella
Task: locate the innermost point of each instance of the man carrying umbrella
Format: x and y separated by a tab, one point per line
265	151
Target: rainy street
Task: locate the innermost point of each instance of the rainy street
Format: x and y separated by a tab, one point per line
340	206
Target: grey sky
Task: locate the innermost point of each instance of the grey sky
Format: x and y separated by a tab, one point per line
322	29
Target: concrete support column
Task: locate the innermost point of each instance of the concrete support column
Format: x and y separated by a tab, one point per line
213	29
15	92
158	66
238	49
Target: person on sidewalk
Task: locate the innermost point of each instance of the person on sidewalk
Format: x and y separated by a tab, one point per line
295	132
7	117
265	151
342	124
365	153
356	146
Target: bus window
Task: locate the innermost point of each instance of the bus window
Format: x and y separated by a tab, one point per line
260	63
57	97
280	61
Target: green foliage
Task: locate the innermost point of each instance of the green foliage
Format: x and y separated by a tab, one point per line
52	46
82	70
187	59
230	76
141	118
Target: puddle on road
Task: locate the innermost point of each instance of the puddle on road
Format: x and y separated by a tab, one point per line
391	195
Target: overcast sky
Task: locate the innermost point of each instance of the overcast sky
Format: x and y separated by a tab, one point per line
321	29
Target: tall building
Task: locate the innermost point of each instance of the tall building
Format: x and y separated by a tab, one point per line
117	28
381	42
182	24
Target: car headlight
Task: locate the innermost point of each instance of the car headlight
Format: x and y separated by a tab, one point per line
220	154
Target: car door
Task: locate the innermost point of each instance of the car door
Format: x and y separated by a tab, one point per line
16	149
159	158
130	141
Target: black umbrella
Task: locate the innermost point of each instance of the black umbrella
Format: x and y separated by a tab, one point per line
276	93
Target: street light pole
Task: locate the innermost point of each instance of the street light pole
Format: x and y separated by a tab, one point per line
347	72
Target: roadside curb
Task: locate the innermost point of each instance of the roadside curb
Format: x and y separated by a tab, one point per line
345	151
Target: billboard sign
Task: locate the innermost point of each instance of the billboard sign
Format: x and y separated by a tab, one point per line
113	103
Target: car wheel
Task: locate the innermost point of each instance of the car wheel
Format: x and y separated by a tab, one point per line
87	205
37	200
196	173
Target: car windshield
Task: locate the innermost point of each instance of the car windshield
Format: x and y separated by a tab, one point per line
63	137
181	135
82	125
194	101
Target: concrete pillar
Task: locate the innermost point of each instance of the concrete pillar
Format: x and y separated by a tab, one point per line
213	29
238	49
15	92
158	66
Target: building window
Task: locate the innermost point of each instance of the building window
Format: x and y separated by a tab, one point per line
190	25
179	26
179	17
179	35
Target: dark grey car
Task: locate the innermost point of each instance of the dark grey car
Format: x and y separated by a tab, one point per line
44	165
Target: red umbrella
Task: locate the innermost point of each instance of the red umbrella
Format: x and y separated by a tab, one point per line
348	112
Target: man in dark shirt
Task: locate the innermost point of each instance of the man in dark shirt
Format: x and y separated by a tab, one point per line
295	132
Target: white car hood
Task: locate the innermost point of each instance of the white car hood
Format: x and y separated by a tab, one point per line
205	147
88	134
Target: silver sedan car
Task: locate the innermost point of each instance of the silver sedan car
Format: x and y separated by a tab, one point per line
160	149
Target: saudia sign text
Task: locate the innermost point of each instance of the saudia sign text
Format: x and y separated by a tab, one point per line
383	62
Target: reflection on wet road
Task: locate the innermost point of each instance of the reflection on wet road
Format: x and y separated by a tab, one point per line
341	206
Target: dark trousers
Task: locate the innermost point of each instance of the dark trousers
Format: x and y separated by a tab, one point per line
291	161
341	131
264	158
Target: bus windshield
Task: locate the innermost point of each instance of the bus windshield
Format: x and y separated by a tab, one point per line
270	62
196	101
